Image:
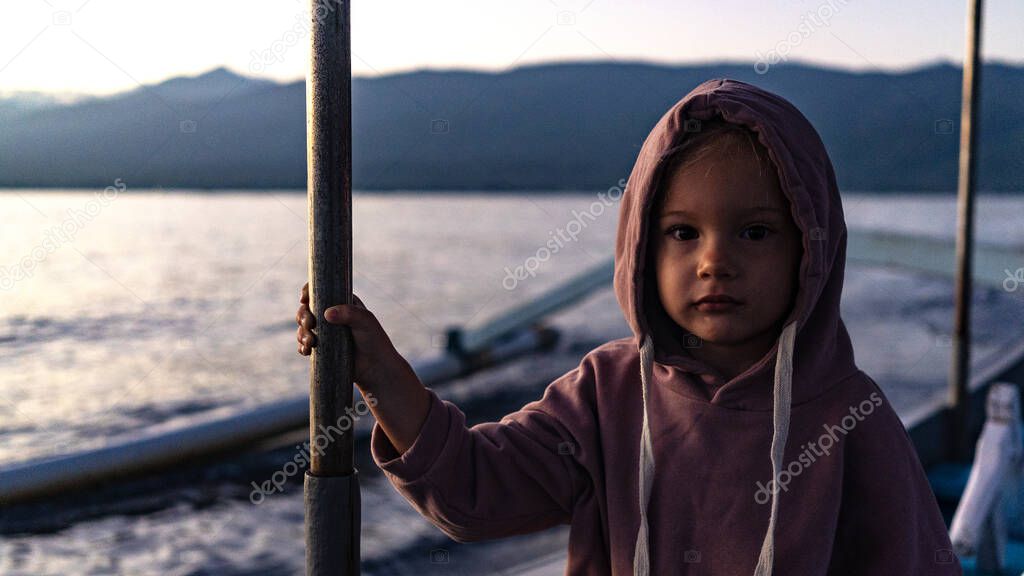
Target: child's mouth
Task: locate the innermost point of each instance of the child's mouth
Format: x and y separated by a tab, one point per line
717	307
717	302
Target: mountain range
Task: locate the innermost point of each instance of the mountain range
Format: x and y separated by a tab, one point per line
558	126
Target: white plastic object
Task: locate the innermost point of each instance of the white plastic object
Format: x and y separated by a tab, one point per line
979	524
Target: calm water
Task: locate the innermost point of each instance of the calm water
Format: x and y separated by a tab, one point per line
122	314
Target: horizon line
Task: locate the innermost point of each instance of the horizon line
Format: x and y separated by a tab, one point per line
792	62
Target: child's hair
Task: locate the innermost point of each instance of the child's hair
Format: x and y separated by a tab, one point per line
701	139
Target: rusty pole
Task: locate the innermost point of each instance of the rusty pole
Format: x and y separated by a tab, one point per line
959	374
332	500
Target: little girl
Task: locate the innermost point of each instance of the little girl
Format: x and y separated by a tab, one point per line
733	432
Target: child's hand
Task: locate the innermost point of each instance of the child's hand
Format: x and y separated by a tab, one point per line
376	359
379	369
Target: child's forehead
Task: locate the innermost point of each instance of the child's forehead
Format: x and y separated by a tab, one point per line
733	192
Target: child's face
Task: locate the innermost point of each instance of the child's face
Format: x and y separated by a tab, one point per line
708	239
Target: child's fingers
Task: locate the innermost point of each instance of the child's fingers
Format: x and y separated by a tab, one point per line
304	317
351	315
305	337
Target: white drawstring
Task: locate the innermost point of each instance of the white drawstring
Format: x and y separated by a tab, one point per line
641	562
781	402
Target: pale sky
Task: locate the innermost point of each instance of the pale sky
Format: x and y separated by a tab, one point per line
105	46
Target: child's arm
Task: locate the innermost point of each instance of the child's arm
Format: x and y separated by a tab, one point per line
522	474
519	475
889	520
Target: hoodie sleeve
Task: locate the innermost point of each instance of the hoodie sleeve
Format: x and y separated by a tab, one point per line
497	479
889	519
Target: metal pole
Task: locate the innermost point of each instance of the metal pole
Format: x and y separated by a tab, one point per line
960	445
332	500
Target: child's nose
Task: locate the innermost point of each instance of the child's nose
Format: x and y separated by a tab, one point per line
715	261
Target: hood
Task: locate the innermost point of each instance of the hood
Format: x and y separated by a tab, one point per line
813	350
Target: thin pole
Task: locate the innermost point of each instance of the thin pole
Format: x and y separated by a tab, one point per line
331	484
960	445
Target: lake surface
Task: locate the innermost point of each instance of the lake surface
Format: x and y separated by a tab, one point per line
121	313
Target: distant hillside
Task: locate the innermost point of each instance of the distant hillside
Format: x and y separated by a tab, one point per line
556	126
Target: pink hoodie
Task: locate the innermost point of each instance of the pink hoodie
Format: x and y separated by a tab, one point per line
662	467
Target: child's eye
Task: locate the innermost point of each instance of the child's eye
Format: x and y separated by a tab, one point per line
760	227
686	232
673	232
